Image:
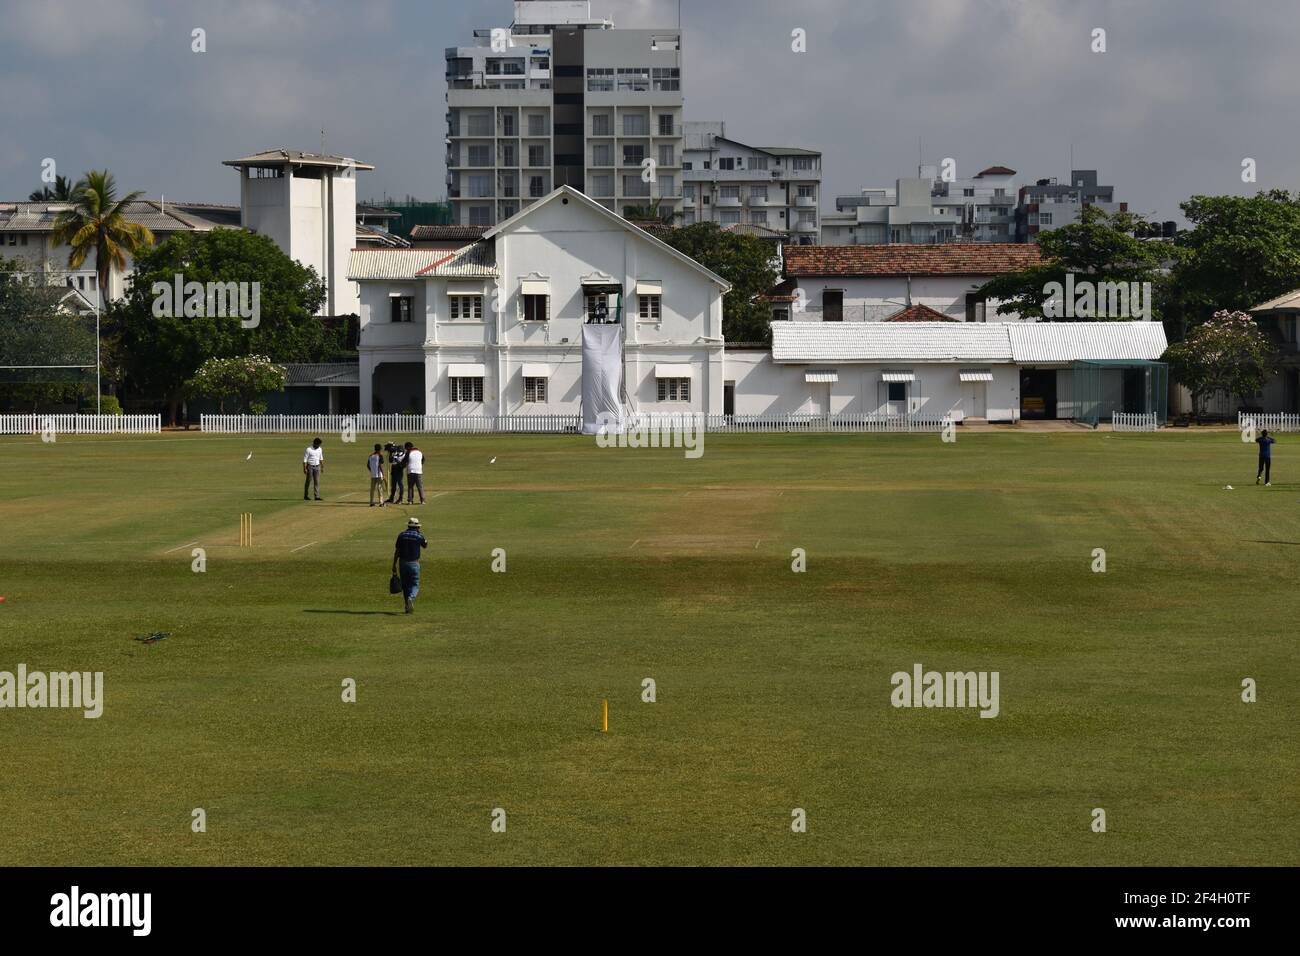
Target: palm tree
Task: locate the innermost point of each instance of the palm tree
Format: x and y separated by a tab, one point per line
62	191
97	223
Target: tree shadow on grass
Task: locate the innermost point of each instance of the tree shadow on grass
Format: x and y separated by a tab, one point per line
1258	541
321	610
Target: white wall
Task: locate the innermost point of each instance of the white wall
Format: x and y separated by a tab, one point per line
764	387
877	298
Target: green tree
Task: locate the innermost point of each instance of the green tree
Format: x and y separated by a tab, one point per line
745	262
62	191
1100	247
1227	354
37	330
163	352
244	377
1241	251
97	223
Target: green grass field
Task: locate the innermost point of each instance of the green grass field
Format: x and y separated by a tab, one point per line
1119	690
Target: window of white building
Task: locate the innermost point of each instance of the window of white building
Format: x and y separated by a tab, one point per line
466	389
534	389
465	308
674	389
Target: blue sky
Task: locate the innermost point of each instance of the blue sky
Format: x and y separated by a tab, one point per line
1184	92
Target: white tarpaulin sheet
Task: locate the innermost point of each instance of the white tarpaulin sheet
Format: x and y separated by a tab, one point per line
602	377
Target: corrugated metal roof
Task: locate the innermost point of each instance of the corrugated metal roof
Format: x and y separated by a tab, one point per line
322	373
1025	343
474	261
158	216
1065	342
1289	301
889	342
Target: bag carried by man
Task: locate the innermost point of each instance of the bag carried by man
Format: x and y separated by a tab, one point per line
395	584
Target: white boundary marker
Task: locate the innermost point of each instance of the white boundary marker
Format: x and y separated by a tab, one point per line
296	550
179	546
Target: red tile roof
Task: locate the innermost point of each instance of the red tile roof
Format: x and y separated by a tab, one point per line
919	313
953	259
995	171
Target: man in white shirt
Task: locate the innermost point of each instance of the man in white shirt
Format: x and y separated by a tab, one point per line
414	473
313	463
375	465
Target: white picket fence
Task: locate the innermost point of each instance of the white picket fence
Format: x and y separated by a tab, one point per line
551	424
1134	421
1273	421
80	424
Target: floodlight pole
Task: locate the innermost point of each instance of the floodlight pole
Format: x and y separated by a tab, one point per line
98	390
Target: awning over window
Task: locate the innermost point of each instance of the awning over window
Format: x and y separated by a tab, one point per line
649	287
466	371
814	375
536	370
673	371
536	287
464	288
897	375
600	280
976	375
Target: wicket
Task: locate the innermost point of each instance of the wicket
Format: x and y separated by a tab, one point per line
246	530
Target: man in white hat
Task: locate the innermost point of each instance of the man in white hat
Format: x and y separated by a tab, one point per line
406	561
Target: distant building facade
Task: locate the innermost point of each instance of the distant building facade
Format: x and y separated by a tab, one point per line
563	98
775	188
1049	204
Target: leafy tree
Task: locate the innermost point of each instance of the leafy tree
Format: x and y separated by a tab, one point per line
745	262
37	330
1227	354
162	353
1100	247
62	191
244	377
1241	251
649	213
97	223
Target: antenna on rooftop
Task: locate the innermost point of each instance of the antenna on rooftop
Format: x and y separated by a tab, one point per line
322	141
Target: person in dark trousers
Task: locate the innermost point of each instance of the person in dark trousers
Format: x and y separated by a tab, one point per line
414	473
313	463
375	465
397	465
406	561
1265	442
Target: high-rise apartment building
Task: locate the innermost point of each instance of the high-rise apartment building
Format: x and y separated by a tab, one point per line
563	98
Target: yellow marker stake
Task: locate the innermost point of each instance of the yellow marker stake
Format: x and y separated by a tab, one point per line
604	716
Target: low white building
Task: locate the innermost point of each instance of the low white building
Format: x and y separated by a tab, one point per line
994	371
495	327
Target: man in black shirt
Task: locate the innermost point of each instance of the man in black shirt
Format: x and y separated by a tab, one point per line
407	554
397	465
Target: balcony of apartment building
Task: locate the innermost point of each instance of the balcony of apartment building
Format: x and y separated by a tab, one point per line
772	199
728	200
806	202
461	75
